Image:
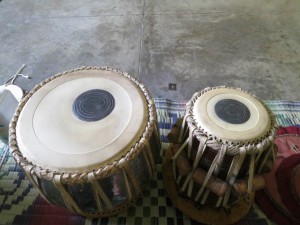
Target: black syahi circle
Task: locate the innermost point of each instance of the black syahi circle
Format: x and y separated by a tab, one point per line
93	105
232	111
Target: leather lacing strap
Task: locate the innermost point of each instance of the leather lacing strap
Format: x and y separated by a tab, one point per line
186	182
265	158
189	140
182	130
200	151
190	143
251	174
260	148
98	192
148	164
234	169
238	162
155	132
69	201
132	177
182	147
204	196
220	159
215	168
148	156
128	187
209	173
29	173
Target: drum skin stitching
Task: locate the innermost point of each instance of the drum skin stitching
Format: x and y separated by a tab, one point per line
99	172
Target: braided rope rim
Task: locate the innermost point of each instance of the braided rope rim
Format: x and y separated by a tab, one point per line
108	213
215	142
99	172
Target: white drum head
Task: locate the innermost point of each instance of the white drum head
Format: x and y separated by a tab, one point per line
81	121
231	115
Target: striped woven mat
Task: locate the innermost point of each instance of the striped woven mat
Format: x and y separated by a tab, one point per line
20	203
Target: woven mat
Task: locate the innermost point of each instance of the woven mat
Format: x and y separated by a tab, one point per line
20	203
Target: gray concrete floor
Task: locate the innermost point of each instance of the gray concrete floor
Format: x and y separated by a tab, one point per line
253	44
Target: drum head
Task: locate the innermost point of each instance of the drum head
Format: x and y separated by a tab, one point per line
82	120
231	115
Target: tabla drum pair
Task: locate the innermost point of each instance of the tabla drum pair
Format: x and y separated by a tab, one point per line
87	139
218	153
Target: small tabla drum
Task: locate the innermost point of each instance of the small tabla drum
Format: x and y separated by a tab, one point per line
217	153
87	139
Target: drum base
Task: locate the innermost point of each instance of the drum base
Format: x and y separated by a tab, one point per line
207	214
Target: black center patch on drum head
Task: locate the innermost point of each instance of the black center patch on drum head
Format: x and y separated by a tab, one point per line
93	105
232	111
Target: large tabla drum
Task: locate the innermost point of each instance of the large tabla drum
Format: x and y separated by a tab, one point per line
87	139
218	151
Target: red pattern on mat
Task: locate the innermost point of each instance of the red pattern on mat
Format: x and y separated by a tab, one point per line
288	130
268	207
284	176
271	210
42	213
